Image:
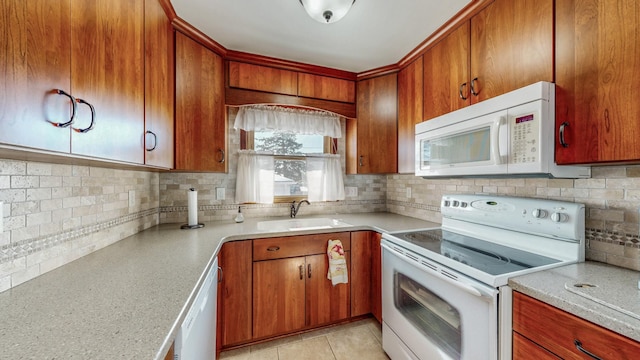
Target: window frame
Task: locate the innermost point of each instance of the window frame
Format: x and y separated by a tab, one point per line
330	146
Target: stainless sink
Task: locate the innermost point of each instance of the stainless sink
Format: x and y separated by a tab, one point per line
300	224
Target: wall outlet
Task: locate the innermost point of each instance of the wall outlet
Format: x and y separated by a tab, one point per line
1	217
351	191
220	193
408	192
132	198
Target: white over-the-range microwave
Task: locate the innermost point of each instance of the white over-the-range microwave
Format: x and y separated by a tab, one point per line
509	135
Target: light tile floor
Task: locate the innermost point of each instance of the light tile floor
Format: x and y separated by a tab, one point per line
358	340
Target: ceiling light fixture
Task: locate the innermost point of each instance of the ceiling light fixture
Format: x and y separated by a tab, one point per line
327	11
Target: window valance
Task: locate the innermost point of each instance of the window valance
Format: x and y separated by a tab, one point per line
298	121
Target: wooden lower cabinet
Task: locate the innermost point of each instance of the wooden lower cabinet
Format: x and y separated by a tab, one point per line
276	286
293	293
234	299
542	331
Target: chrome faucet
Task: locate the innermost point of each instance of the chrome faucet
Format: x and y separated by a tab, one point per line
294	208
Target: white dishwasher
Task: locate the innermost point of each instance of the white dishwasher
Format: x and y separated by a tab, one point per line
196	338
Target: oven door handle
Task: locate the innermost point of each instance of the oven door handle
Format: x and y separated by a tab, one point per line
462	286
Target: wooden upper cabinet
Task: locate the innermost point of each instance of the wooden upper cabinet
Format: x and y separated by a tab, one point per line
35	58
511	46
377	127
597	62
410	104
107	71
327	88
201	124
159	86
447	85
262	78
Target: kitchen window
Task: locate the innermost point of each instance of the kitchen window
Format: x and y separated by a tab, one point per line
288	154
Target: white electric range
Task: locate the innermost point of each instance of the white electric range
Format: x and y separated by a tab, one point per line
445	293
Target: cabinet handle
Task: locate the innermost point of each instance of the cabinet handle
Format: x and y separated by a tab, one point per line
73	109
309	271
578	345
93	117
360	158
220	274
463	86
473	87
301	268
273	248
561	134
155	140
222	157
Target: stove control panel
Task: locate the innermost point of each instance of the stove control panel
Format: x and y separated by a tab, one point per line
551	218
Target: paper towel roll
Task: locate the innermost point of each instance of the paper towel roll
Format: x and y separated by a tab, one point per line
193	207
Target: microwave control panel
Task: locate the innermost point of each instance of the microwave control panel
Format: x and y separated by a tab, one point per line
524	129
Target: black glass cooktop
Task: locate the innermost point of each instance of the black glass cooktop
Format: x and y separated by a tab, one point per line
486	256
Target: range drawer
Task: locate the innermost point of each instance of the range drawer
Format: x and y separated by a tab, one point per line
291	246
558	331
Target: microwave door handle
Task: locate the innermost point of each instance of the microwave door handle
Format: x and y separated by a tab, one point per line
495	140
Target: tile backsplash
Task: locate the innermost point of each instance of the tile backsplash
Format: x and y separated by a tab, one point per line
611	197
54	214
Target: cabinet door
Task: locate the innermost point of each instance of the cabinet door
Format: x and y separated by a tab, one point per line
410	88
446	74
200	113
524	348
325	303
327	88
361	299
158	86
107	70
278	296
262	78
376	276
511	46
597	64
377	125
35	56
235	304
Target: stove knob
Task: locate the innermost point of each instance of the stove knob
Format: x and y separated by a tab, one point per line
539	213
447	203
559	217
456	203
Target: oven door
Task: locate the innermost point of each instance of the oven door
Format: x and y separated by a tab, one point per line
429	315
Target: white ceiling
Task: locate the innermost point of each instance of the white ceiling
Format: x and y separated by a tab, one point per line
374	33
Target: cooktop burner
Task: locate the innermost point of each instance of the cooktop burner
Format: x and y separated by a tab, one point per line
486	256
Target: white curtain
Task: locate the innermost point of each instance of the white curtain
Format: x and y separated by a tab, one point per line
324	177
254	183
298	121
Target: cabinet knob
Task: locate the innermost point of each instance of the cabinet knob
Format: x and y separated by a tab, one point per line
462	86
93	117
578	345
73	109
473	87
155	140
561	134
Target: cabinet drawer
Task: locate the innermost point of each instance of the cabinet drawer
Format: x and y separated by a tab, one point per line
556	330
290	246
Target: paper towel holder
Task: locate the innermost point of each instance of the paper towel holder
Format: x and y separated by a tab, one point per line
193	206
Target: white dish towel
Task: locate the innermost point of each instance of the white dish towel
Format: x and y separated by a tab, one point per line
337	263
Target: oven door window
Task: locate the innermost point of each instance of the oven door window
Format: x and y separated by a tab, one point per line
434	317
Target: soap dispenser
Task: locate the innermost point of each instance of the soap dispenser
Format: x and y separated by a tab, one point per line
239	217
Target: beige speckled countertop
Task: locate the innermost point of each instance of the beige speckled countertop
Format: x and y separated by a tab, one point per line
127	300
613	303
